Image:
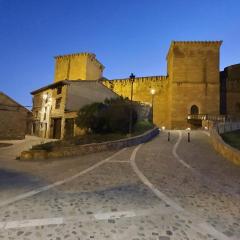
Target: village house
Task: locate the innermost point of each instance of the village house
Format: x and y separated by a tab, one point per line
15	120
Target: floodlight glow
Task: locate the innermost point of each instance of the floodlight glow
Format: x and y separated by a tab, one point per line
153	91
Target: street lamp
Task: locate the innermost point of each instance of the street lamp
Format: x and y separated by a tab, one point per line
152	91
131	79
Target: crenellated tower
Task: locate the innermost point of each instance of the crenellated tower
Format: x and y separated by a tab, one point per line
78	66
194	87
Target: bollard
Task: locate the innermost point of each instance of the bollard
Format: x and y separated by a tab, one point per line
188	136
168	137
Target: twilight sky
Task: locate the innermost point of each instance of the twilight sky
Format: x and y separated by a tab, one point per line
126	35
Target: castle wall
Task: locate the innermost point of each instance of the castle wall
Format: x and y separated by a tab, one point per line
141	93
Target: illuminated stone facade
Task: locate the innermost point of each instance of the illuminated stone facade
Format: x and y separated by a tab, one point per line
55	106
79	66
191	86
192	80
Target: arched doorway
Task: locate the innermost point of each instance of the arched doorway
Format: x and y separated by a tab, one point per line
194	110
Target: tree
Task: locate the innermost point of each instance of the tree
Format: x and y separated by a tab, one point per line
118	113
91	117
109	117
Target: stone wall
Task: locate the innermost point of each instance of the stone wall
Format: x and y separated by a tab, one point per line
230	153
89	148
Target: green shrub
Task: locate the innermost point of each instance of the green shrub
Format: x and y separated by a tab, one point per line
92	117
112	116
143	126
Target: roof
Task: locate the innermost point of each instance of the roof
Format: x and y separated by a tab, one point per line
53	85
12	104
63	82
206	43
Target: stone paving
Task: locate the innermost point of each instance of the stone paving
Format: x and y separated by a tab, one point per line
110	201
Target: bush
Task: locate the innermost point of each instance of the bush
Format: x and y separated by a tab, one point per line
143	126
92	117
112	116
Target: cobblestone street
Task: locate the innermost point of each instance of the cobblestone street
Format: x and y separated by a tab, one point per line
160	190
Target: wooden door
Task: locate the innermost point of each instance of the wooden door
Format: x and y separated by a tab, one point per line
57	128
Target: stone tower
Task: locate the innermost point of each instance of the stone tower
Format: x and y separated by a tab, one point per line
193	71
79	66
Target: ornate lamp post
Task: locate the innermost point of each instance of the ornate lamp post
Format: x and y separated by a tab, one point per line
153	91
132	79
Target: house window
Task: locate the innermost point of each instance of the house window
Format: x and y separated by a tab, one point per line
59	89
58	103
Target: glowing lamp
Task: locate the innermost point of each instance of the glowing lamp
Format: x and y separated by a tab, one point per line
153	91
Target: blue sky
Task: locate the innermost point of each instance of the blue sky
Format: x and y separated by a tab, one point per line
126	35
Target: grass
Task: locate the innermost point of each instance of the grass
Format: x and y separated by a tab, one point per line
232	138
92	138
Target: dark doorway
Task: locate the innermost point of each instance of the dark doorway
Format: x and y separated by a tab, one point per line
194	110
57	128
45	130
69	127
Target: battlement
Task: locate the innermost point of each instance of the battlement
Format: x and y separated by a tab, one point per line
197	42
92	56
192	44
75	54
141	79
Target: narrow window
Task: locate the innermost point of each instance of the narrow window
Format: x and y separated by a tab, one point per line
59	89
58	103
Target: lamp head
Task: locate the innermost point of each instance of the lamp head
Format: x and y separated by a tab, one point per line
153	91
132	76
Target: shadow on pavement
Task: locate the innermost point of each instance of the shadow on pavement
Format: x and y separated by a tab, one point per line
9	179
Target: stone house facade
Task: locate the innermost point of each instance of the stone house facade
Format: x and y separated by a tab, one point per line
15	120
55	106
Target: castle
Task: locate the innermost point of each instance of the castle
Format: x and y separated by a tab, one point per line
192	87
